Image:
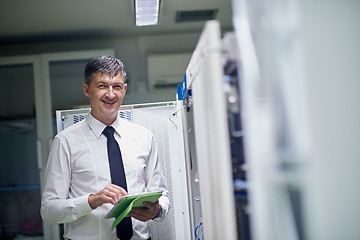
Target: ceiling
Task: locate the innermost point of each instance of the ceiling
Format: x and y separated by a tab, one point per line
28	21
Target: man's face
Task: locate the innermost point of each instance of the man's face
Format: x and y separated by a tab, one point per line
105	96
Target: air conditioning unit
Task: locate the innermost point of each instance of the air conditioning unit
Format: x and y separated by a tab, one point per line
167	70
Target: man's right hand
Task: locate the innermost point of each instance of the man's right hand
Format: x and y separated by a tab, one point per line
110	194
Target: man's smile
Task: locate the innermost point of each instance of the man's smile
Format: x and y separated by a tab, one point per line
109	102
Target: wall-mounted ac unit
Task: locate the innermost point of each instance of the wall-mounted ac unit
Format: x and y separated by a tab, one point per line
167	70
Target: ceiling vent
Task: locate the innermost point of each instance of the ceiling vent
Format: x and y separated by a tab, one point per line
195	15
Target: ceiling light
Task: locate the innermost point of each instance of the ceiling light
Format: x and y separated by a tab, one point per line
147	12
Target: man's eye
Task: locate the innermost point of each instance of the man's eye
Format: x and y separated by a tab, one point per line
118	87
101	86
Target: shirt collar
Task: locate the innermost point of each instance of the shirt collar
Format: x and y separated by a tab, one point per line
98	127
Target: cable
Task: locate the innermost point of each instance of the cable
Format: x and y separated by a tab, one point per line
175	114
197	229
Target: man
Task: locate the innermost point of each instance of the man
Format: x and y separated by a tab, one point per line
79	186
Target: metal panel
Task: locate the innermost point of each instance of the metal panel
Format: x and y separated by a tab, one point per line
205	75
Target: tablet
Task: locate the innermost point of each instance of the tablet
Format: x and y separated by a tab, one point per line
136	201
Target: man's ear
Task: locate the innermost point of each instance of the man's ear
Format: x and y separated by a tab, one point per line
85	88
125	88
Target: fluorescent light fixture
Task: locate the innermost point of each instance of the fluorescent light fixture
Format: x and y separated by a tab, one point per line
147	12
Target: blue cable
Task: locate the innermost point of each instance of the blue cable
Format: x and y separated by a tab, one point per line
196	231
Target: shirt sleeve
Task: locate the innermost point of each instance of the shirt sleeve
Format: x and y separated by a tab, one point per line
55	205
155	179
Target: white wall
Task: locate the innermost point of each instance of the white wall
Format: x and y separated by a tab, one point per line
132	51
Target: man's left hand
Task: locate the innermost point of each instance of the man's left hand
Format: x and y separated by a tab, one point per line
145	214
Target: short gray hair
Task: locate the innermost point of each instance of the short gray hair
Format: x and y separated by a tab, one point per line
105	65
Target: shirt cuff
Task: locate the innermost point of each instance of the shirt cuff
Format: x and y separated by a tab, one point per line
82	205
159	215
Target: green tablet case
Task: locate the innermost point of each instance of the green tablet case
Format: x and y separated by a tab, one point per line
124	206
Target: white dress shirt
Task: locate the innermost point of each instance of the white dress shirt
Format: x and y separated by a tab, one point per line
78	166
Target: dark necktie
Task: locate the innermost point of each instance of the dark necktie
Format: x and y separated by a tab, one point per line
124	229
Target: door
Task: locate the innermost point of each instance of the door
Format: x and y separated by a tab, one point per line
19	176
